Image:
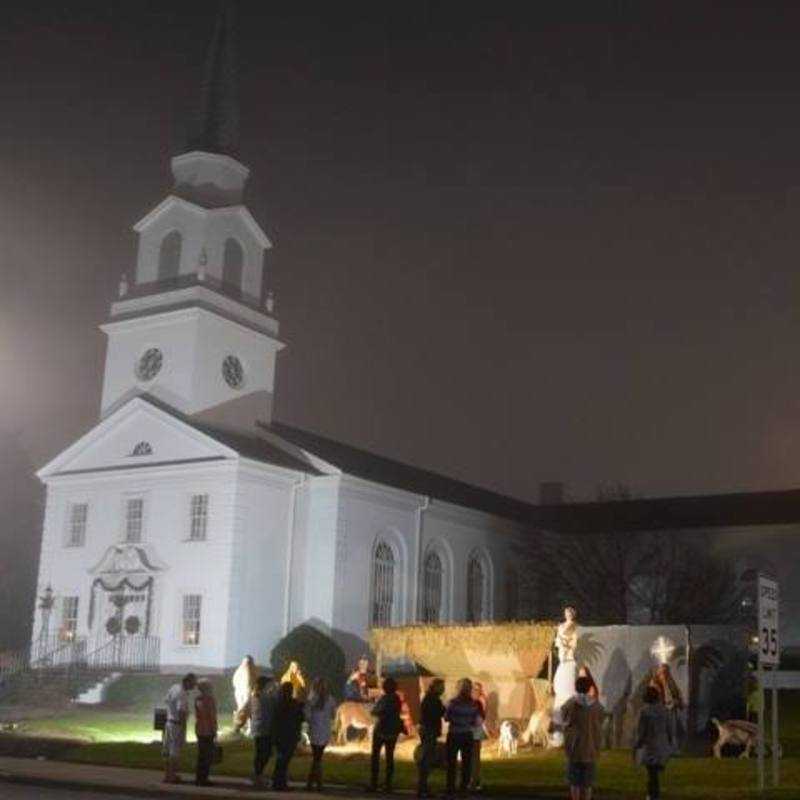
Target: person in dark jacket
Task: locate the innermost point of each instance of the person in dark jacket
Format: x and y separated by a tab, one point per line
262	706
463	714
388	727
205	728
430	729
654	740
287	719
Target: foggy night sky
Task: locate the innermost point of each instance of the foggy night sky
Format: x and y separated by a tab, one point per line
510	245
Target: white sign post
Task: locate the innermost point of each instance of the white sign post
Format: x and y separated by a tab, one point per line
769	652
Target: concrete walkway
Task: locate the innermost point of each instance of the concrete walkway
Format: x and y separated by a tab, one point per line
143	782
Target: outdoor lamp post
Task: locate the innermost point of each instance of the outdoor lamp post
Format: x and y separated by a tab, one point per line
46	602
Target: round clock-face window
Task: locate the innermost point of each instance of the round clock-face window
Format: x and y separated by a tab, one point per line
233	372
149	364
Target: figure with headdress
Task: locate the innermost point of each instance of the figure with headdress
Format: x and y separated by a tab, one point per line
244	682
294	675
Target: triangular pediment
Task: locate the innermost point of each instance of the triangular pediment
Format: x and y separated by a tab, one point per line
138	434
128	559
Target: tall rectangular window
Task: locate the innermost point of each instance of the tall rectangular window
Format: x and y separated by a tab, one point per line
134	513
69	619
76	528
191	619
198	517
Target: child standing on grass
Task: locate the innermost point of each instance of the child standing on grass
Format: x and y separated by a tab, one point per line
582	720
205	728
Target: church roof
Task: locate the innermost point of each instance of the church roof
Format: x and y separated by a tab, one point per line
255	447
652	514
366	465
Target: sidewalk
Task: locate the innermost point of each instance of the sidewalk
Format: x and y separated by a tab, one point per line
142	782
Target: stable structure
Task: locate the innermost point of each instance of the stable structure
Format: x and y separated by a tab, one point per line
515	664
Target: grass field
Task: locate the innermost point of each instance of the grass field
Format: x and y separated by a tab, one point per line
120	733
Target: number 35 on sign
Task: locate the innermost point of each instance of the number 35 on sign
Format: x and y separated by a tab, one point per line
769	649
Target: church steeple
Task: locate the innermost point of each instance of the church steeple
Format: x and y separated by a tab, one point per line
194	328
216	128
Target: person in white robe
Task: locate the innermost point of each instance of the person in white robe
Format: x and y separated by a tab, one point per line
244	682
566	643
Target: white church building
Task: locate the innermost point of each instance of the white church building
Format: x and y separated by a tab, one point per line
191	526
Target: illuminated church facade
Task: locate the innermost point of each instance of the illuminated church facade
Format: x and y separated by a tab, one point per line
190	525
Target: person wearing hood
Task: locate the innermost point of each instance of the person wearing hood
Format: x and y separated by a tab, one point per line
582	720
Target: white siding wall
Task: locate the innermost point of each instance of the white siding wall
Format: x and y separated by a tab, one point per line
191	567
366	514
315	557
258	578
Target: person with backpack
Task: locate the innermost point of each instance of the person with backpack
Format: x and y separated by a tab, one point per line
388	726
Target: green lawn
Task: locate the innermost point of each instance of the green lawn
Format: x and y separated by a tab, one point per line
120	733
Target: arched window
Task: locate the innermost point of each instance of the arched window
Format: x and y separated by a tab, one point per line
383	579
232	265
432	588
512	594
169	256
476	590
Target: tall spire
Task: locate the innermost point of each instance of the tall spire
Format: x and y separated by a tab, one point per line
217	126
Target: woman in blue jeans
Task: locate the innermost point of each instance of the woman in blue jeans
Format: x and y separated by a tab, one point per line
464	715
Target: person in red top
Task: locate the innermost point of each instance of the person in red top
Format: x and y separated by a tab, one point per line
205	728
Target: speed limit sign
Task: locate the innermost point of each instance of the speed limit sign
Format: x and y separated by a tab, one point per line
769	650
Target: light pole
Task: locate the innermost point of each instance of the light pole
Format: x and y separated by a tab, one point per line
46	602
